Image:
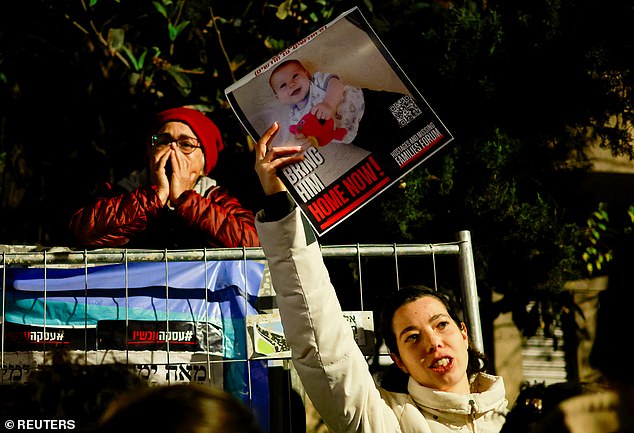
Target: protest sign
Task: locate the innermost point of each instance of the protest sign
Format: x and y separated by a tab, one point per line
379	128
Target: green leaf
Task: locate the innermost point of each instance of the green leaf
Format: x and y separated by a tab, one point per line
131	57
282	10
141	62
182	80
180	27
116	38
160	8
134	79
172	31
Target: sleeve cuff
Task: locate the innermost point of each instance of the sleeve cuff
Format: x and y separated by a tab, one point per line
277	206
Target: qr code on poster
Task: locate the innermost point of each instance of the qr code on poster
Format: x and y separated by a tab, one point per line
405	110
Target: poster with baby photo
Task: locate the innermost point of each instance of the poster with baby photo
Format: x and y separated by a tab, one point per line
339	92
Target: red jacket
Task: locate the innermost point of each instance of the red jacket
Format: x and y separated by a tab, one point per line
137	219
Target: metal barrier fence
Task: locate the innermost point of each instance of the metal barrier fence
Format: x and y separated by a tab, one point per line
146	308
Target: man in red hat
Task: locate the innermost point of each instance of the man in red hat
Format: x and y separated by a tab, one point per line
173	203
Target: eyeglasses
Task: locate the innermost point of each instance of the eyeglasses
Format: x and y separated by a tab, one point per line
187	145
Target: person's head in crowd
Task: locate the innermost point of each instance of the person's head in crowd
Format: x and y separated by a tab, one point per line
536	401
68	389
180	408
17	401
423	331
613	315
609	408
612	336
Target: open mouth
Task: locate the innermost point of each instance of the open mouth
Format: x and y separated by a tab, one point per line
441	363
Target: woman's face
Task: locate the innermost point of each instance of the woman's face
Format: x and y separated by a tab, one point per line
433	349
291	83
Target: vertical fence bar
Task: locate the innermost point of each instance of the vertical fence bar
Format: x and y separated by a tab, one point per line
167	316
127	306
44	313
398	279
206	321
433	263
360	276
85	307
4	321
246	316
469	289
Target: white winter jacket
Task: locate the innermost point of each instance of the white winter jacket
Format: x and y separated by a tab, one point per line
332	368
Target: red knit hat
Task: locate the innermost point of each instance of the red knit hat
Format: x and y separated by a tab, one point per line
206	131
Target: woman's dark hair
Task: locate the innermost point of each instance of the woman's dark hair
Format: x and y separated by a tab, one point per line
405	295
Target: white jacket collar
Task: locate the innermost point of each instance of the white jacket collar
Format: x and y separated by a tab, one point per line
487	390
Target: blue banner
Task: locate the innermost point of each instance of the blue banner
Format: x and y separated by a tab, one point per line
220	293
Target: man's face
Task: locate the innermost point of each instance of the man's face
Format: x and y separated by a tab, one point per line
290	83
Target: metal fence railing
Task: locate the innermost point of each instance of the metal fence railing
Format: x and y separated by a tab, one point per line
204	315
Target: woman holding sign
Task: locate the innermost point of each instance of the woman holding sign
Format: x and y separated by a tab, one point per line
446	389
